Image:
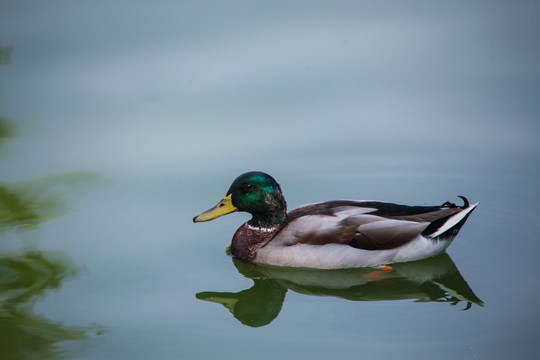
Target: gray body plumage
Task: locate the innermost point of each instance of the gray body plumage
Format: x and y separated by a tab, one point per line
347	233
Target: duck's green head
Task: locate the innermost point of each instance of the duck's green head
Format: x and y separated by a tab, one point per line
256	193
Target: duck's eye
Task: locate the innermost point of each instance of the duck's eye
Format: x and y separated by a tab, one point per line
248	187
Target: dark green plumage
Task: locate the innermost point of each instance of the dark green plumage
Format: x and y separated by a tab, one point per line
260	195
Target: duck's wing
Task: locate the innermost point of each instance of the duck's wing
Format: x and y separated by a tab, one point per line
369	225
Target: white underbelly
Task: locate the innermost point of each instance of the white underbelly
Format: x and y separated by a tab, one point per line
337	256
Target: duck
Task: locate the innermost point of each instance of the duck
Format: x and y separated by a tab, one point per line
334	234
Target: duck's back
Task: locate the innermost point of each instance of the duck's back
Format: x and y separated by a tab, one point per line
348	233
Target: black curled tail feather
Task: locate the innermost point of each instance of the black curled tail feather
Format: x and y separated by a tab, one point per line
465	201
452	230
465	205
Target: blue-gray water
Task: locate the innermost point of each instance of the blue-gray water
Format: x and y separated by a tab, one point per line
120	121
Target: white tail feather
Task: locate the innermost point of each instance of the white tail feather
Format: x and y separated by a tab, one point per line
454	220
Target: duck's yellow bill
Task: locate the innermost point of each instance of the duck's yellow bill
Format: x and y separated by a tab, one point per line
224	207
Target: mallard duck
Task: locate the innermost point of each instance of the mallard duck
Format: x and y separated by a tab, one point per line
333	234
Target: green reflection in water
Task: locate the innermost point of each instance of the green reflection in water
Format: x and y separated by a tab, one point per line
24	279
431	280
27	277
254	307
28	203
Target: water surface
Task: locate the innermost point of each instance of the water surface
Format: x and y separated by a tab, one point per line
121	121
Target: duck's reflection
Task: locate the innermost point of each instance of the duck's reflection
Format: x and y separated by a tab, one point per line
431	280
25	278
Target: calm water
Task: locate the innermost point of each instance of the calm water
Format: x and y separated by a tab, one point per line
121	121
